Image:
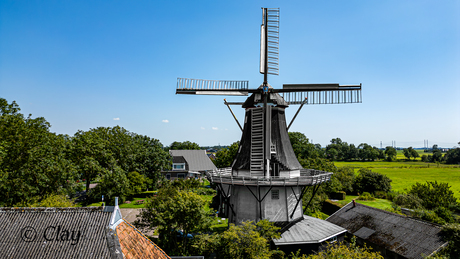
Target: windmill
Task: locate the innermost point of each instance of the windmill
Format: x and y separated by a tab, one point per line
265	163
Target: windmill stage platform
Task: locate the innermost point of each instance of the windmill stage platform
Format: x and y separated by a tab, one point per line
307	177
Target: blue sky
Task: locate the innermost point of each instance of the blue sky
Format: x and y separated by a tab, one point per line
85	64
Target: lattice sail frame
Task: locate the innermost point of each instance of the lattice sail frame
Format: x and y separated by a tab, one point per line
269	41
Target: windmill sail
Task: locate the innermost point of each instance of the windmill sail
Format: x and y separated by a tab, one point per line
269	41
211	87
320	93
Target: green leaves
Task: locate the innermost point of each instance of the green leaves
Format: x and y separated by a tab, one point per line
226	156
434	194
177	213
33	160
248	240
369	181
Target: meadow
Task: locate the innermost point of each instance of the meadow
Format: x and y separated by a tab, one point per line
404	174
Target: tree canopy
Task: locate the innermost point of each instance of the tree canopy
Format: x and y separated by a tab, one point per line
226	156
248	240
177	213
32	159
186	145
369	181
36	163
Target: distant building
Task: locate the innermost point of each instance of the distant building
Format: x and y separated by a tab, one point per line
87	232
189	164
393	235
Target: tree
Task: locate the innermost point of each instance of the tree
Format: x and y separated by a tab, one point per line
226	156
346	178
437	155
367	152
302	147
407	153
33	160
98	150
369	181
90	155
248	240
137	182
414	154
176	214
114	183
186	145
352	152
343	250
391	153
453	156
55	200
433	194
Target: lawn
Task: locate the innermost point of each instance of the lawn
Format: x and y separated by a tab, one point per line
378	203
405	174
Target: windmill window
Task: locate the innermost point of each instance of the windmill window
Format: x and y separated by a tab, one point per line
275	194
168	176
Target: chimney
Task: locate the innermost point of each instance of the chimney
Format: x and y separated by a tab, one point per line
354	203
116	201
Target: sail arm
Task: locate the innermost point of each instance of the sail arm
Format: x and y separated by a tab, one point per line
212	87
316	87
322	94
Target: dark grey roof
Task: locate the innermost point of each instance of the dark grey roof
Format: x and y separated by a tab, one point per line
405	236
55	232
308	230
197	159
178	159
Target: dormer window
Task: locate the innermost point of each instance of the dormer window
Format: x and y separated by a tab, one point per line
180	166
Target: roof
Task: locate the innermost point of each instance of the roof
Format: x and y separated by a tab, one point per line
178	159
403	235
308	230
88	232
197	159
135	245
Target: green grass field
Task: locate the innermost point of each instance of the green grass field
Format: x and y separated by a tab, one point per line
378	203
405	174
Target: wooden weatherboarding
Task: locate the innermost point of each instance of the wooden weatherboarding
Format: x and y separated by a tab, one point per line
266	181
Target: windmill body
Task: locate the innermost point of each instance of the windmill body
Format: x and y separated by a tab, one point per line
266	181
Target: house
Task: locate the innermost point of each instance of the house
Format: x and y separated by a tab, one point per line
309	235
393	235
84	232
189	164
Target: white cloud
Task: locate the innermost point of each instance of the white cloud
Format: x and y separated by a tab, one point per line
165	121
214	128
116	119
202	128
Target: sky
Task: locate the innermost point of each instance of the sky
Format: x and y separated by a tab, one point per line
88	64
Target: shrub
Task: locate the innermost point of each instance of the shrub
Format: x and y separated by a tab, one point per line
368	181
365	196
206	191
445	214
55	200
380	195
391	195
428	215
434	194
408	200
452	234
